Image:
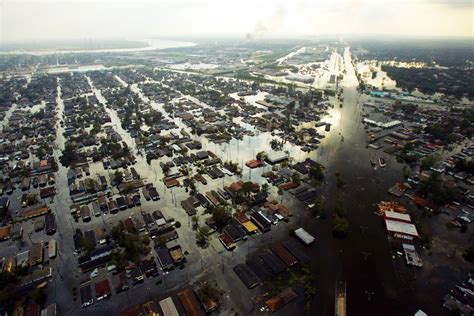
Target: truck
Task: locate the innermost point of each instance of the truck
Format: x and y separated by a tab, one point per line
50	223
52	249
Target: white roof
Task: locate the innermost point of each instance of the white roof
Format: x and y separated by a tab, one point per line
160	221
276	157
397	216
304	236
168	307
420	313
401	227
176	147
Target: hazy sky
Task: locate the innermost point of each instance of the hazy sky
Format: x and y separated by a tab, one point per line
27	20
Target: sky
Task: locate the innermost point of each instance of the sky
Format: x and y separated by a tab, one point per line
37	20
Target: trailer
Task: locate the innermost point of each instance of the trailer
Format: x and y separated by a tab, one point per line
168	307
304	236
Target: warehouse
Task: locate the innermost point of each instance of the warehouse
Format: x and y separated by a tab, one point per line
397	216
401	229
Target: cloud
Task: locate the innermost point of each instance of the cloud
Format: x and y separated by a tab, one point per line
460	4
272	24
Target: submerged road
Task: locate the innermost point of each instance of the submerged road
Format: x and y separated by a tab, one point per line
362	259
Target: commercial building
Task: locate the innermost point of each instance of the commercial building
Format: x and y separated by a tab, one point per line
401	229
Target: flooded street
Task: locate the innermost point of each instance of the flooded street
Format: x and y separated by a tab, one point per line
363	259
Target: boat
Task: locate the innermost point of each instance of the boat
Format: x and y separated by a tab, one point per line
382	162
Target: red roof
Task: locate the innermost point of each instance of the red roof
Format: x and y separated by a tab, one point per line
129	224
190	303
424	203
32	309
102	288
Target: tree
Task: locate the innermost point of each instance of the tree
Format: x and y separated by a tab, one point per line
195	221
221	216
8	283
296	178
69	155
261	155
428	162
201	235
340	226
425	233
118	177
316	174
247	188
39	296
469	253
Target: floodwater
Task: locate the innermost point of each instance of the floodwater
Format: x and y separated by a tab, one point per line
153	44
363	259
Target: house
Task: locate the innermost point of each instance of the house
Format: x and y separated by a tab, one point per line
260	220
36	254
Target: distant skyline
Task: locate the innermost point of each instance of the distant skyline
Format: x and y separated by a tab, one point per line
40	20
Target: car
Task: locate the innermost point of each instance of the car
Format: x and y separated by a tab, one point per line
95	273
111	268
